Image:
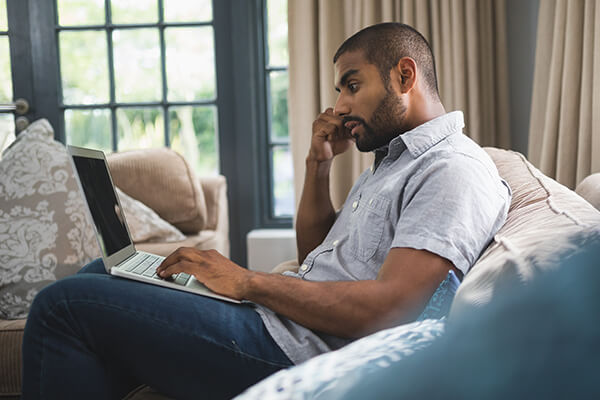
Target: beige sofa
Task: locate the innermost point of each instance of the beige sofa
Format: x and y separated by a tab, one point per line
37	185
539	206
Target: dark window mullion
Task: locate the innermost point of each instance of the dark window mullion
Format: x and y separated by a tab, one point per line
111	76
276	68
144	104
279	142
134	26
271	182
163	70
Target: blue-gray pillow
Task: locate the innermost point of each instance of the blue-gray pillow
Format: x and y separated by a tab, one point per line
321	376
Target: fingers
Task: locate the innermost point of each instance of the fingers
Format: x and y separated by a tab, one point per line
181	266
181	254
328	126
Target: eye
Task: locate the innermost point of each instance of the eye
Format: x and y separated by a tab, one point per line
353	87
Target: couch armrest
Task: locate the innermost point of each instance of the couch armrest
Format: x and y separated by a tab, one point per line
217	208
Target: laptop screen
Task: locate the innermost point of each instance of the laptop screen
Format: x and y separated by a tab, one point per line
102	201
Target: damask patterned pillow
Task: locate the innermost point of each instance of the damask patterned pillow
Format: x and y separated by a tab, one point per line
144	224
324	375
44	230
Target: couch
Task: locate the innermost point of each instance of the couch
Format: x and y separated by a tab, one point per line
540	207
45	233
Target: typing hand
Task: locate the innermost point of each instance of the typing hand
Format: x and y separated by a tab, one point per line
215	271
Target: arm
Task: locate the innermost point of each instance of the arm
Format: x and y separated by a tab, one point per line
315	212
406	281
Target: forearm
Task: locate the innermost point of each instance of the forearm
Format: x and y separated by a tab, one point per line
315	212
349	309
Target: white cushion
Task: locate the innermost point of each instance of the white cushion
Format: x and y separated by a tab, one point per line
589	189
144	224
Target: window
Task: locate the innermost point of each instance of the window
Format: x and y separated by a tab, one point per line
281	187
138	75
7	124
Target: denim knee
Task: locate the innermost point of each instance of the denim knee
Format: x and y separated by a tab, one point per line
51	295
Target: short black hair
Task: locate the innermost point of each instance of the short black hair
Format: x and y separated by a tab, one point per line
385	44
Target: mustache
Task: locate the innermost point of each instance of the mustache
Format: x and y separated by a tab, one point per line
355	119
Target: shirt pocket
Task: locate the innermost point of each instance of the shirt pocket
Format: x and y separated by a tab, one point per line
369	222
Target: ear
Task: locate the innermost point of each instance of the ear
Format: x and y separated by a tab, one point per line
407	74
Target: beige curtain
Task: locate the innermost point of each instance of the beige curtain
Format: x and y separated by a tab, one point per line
564	132
468	38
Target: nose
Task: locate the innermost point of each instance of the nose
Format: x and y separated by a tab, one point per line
341	107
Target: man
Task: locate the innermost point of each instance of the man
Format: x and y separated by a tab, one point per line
429	205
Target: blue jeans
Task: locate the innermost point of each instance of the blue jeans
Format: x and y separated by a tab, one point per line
95	336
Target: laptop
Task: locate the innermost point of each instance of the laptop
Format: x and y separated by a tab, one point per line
118	252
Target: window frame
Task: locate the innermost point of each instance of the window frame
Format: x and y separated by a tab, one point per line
266	167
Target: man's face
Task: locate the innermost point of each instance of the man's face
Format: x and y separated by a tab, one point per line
373	113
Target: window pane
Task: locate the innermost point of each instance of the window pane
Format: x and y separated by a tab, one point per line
3	19
84	67
140	128
193	134
7	131
6	90
81	12
89	128
283	182
278	32
279	108
188	11
137	65
190	63
134	11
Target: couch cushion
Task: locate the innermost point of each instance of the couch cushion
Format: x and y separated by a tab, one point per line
11	336
542	216
162	180
589	189
44	230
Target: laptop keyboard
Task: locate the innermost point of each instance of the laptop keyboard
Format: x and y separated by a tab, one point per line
146	265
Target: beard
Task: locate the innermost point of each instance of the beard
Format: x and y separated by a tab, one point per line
385	124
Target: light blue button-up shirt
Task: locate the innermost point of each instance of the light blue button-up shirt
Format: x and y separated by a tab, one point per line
435	189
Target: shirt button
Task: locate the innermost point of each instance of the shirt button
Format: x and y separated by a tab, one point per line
304	267
335	242
355	204
370	201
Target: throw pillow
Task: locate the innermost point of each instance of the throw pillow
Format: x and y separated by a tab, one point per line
144	224
44	230
589	189
541	217
329	372
162	180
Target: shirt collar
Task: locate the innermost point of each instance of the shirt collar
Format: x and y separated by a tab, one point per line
425	136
